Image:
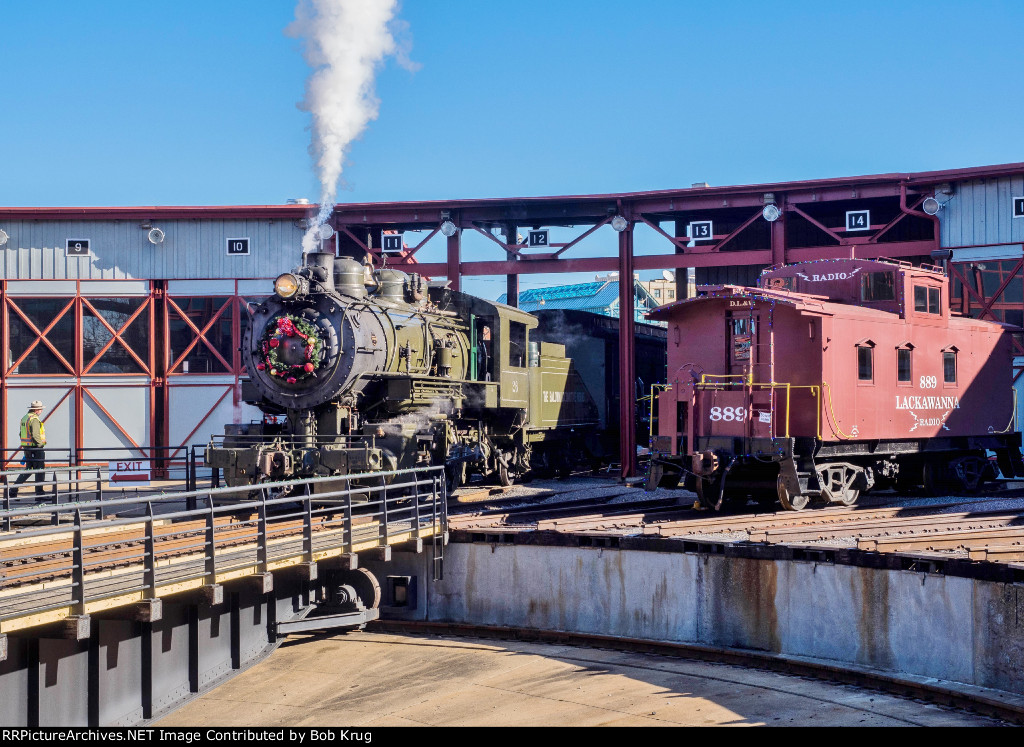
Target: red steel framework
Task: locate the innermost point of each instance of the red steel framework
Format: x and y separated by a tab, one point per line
159	364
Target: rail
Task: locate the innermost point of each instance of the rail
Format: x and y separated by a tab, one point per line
151	546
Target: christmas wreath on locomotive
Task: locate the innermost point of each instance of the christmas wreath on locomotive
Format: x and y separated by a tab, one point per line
361	371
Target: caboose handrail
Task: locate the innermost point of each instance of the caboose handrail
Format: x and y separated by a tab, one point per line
747	380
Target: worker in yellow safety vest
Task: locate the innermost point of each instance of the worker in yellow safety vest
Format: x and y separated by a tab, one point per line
33	439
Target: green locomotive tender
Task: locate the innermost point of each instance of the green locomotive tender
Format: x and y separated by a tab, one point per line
359	371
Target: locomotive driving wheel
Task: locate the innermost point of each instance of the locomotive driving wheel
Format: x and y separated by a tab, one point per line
790	501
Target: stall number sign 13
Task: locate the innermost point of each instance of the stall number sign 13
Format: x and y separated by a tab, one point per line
701	229
238	246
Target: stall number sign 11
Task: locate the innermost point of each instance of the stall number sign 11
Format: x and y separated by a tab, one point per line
238	246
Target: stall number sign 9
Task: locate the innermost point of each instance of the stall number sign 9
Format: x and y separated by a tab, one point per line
701	229
78	248
238	246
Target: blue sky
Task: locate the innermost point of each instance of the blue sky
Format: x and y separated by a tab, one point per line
142	103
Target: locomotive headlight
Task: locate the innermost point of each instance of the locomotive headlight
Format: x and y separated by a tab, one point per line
286	285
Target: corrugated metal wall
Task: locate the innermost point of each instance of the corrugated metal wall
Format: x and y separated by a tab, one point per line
981	212
120	249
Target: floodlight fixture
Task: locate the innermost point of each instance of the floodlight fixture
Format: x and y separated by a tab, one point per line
771	212
448	228
619	223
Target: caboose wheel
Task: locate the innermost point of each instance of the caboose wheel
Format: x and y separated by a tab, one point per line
790	501
971	472
503	474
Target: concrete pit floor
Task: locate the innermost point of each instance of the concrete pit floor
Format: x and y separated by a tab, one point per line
381	679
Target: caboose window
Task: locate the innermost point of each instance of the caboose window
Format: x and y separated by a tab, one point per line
949	367
865	367
742	325
933	301
878	286
903	364
920	298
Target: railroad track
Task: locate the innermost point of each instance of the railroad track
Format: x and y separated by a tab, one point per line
981	528
977	700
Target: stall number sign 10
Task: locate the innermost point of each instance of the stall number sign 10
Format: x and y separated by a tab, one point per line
238	246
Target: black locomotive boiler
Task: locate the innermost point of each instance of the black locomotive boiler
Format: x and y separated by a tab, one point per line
361	371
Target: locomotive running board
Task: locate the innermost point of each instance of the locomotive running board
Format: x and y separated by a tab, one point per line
326	622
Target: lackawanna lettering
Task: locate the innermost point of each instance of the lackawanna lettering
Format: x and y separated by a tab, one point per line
927	403
557	397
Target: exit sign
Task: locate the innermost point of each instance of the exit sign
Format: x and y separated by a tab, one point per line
137	471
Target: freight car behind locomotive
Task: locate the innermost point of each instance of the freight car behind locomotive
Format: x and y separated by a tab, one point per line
360	371
832	378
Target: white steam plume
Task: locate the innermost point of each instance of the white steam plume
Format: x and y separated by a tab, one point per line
345	41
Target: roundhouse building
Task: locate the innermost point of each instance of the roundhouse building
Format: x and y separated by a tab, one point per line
126	322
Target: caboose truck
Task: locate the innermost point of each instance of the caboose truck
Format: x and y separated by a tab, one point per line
384	371
831	378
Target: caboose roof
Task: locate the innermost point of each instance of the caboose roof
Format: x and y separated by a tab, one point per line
806	302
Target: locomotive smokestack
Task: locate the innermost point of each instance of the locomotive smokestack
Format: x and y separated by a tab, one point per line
324	262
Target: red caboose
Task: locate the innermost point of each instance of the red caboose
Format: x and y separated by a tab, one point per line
828	379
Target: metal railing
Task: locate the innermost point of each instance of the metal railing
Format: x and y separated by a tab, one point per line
718	382
150	546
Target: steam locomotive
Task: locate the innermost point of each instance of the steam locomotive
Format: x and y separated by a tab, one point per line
360	371
829	379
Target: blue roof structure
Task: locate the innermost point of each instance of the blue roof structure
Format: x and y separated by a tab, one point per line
600	297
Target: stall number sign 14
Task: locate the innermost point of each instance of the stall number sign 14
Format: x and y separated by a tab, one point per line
858	220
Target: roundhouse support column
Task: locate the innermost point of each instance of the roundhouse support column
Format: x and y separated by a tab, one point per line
779	234
627	359
454	258
511	281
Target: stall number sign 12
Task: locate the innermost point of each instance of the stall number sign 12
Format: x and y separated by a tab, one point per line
538	238
238	246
